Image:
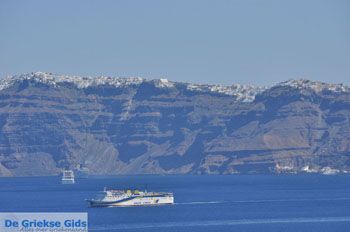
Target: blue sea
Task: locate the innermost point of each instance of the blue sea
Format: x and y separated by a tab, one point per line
203	203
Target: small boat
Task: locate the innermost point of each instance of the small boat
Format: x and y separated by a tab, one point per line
68	177
118	198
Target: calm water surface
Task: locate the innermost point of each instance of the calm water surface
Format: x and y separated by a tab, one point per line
203	203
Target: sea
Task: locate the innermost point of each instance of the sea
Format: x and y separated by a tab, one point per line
256	203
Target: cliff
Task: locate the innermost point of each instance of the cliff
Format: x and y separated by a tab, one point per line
132	126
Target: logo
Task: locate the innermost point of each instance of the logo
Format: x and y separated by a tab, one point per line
43	222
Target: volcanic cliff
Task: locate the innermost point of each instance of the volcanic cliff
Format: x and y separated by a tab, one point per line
112	125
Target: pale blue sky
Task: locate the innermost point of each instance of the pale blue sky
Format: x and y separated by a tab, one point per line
225	42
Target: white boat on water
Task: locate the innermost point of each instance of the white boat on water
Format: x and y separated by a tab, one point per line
68	177
110	198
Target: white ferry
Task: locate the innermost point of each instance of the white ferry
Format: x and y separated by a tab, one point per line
68	177
110	198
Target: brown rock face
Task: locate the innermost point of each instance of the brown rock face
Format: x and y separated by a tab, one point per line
167	128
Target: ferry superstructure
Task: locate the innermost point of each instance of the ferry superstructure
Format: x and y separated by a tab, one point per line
115	198
68	177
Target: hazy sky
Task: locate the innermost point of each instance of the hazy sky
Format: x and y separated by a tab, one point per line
224	42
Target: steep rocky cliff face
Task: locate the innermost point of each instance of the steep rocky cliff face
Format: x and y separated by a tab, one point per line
133	126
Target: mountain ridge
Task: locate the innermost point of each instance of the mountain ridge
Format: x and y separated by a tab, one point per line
88	81
137	126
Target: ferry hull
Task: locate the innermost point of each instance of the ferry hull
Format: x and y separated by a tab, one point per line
138	201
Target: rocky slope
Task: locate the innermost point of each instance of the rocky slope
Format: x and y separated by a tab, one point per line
132	126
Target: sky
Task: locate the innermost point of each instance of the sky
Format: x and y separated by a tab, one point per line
258	42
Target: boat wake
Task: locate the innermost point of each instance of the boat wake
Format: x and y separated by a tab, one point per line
263	201
222	223
200	202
